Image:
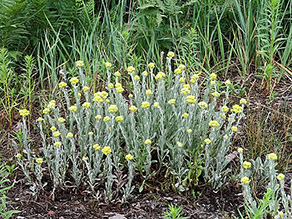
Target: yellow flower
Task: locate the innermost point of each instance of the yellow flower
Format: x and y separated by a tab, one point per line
104	94
69	135
111	85
185	115
236	108
61	120
246	164
62	84
98	117
57	144
79	64
119	118
79	94
90	133
234	128
189	130
191	99
207	141
177	71
130	95
18	155
272	156
213	123
225	109
225	136
129	157
195	77
148	92
86	105
85	89
227	82
187	86
147	142
213	76
117	74
212	83
98	99
156	104
203	104
118	85
52	104
242	101
245	180
96	147
108	65
280	176
185	91
179	144
84	158
56	134
145	104
24	112
53	128
171	101
182	67
40	119
113	108
73	108
151	65
39	160
131	69
145	73
280	213
239	150
133	109
119	89
106	119
216	94
106	150
158	76
136	78
170	54
46	111
74	80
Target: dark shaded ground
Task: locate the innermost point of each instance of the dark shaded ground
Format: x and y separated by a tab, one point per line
148	205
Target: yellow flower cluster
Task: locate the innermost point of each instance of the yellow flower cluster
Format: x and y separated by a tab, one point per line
113	108
79	64
129	157
172	101
133	108
272	156
74	80
56	134
131	69
245	180
108	65
185	115
119	118
246	164
96	147
151	65
236	108
156	104
213	123
61	120
170	54
24	112
73	108
69	135
145	104
191	99
62	85
86	105
39	160
147	142
106	150
203	104
148	92
207	141
213	76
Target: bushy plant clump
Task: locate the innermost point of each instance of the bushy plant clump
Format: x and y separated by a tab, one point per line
275	202
170	121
